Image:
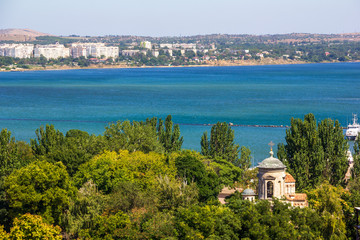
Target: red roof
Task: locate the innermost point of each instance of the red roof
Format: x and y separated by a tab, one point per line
296	197
289	178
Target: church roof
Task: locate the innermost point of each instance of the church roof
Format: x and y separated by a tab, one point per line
271	162
289	178
248	192
296	197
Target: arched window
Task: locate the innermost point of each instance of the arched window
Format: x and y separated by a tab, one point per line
270	189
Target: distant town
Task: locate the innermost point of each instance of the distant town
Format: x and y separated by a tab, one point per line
28	49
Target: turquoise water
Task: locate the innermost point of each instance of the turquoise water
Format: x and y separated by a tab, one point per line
263	95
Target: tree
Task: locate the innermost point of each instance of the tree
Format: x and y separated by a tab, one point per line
83	210
135	136
110	168
13	155
207	222
221	143
48	142
192	169
314	153
335	148
73	149
327	202
41	188
30	226
170	136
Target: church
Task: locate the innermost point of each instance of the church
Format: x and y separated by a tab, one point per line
275	182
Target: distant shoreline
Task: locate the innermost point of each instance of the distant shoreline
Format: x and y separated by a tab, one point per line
221	63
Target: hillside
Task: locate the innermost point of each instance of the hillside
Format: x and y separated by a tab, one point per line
12	34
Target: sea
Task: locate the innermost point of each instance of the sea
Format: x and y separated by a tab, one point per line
249	97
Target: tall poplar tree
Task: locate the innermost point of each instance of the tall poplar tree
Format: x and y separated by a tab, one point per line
169	136
314	152
221	143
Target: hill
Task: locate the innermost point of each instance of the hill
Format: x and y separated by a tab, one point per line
13	34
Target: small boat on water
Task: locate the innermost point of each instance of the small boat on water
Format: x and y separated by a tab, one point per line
353	129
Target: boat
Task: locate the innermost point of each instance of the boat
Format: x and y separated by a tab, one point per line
353	129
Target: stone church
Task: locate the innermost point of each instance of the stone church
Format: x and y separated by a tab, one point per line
275	182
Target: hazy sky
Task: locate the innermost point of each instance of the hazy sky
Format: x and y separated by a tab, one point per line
185	17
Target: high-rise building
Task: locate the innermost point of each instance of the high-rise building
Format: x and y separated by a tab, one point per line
17	50
51	51
94	50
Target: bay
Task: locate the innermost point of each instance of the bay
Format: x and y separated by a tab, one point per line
194	96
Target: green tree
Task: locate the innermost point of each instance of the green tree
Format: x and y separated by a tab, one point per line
335	148
41	188
221	143
327	202
110	168
170	136
314	153
13	155
135	136
30	226
73	149
83	210
207	222
192	169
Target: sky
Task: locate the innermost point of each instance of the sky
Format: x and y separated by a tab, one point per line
181	18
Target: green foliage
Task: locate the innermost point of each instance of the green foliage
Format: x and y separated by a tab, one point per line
135	136
208	222
41	188
127	196
30	226
174	193
277	221
73	149
327	202
84	209
107	227
221	143
228	173
245	158
170	136
13	155
355	171
191	169
314	153
111	168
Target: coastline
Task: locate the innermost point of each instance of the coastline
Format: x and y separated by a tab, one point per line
219	63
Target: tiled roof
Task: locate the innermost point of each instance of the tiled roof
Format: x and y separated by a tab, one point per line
289	178
296	197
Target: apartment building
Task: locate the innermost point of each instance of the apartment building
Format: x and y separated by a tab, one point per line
17	50
94	49
51	51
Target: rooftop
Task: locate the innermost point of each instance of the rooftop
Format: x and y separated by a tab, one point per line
289	178
271	162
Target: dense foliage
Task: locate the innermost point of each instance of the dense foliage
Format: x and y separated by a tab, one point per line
315	152
135	182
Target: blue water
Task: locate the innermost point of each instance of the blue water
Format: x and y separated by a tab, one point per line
263	95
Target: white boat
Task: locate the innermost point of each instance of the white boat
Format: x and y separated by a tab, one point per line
353	129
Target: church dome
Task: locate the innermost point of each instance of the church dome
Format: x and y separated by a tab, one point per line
248	192
271	162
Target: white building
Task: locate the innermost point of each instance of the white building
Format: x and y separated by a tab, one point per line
155	53
275	182
94	49
146	44
17	50
166	45
129	53
52	51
